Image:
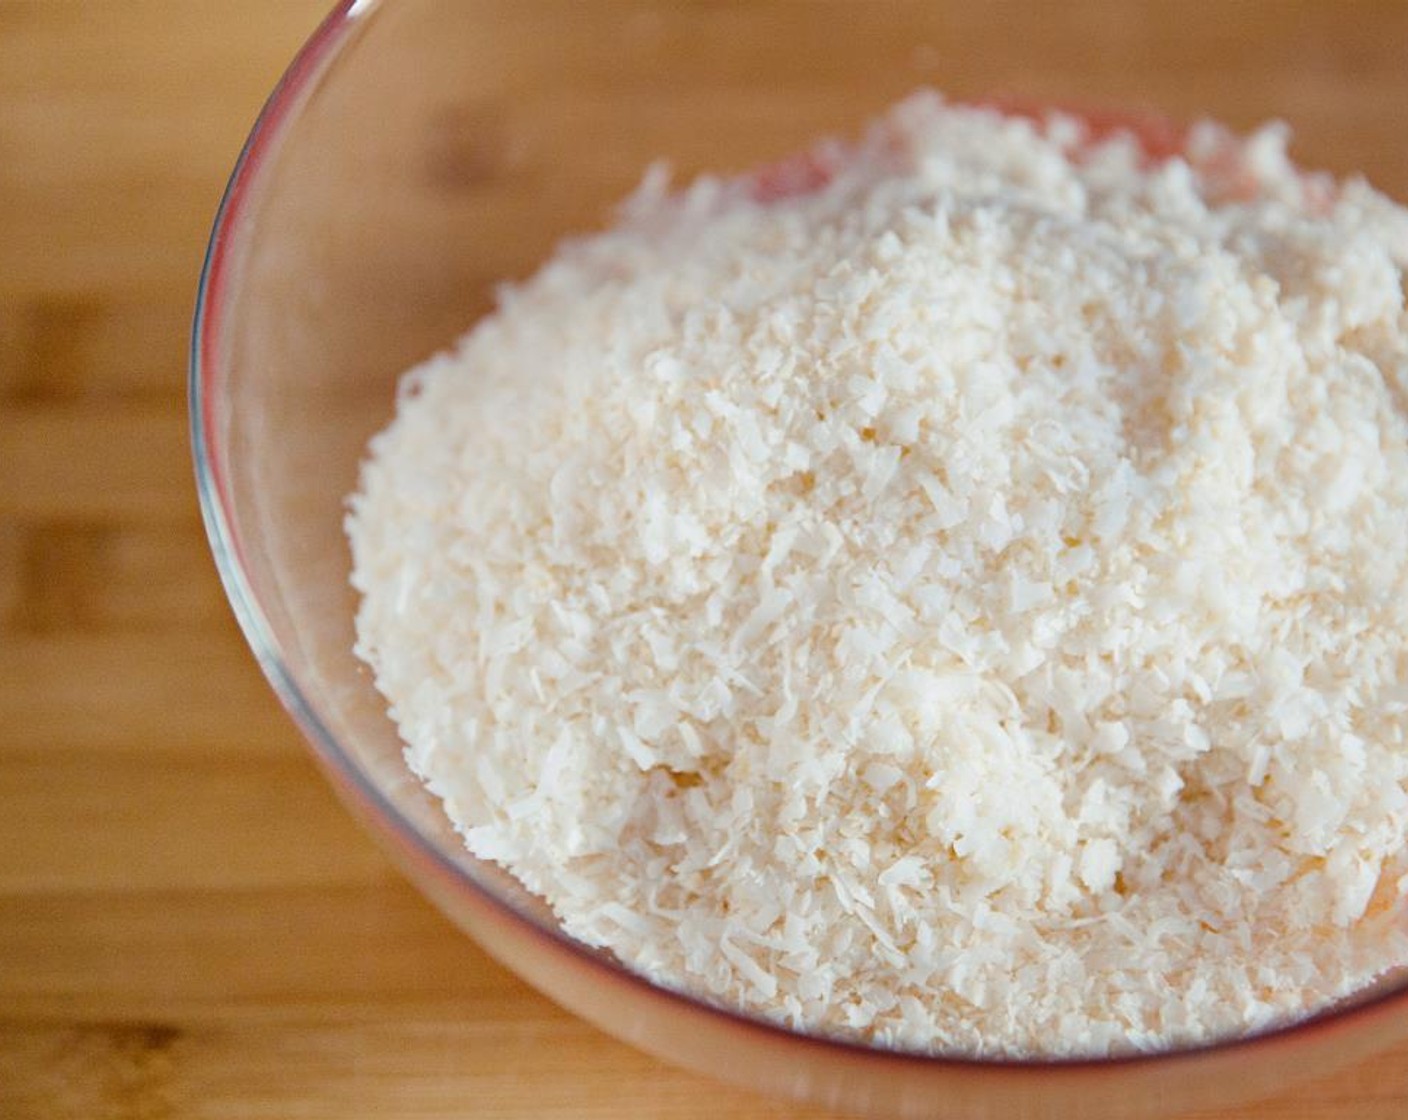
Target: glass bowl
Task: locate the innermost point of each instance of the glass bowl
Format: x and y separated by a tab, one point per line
416	152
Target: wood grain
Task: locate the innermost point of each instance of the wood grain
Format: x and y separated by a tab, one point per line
190	926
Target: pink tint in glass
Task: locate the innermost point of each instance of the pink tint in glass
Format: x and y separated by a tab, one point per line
416	152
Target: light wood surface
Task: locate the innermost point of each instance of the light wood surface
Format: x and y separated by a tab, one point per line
190	926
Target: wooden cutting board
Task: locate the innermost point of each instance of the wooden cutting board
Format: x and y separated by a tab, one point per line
190	926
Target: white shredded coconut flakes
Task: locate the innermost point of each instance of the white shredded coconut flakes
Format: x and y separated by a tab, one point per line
963	606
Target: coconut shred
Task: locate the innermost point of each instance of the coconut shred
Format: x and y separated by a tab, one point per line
949	591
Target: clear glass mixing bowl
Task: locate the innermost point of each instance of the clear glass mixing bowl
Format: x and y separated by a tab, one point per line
416	152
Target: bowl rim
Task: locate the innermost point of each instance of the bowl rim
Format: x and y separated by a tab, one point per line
206	380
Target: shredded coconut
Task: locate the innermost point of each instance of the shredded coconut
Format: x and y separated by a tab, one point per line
950	591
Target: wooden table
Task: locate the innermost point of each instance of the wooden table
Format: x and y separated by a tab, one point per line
190	926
